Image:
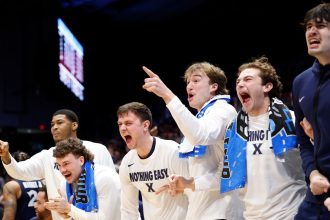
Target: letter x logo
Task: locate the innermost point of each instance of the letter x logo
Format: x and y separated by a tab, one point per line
150	189
257	149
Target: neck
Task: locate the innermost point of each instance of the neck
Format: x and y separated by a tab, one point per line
145	146
74	185
324	60
48	216
262	109
200	108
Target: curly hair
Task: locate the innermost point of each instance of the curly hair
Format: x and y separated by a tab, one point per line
267	74
74	146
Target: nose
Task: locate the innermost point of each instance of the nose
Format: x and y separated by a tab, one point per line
122	128
189	86
62	169
239	84
54	127
311	30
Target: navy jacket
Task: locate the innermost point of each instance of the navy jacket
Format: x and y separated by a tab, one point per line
311	99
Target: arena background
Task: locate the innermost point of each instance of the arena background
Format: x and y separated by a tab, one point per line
119	36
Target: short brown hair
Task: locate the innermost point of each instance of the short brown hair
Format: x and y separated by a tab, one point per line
214	73
139	109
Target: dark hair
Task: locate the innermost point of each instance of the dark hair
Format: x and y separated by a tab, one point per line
68	113
74	146
267	74
20	155
214	73
139	109
317	14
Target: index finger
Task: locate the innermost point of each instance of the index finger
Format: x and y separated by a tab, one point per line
149	72
162	189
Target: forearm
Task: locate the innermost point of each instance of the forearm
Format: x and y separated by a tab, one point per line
9	211
6	159
24	170
308	162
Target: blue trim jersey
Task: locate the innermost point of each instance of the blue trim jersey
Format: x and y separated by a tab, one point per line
25	204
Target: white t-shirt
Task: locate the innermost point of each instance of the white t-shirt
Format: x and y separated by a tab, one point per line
275	186
148	175
42	166
206	202
107	185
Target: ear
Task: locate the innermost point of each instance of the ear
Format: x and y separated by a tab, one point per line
214	87
81	160
146	125
268	87
74	126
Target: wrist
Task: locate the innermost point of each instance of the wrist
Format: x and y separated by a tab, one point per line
191	183
6	159
168	97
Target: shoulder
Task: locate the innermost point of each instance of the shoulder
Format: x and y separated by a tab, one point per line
164	143
129	156
93	146
106	176
305	75
12	187
222	106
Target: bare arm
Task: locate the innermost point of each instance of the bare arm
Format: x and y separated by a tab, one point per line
11	192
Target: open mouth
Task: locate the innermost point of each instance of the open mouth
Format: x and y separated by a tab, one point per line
128	139
313	42
67	176
245	97
190	96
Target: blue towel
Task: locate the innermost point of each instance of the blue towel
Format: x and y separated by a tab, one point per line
85	197
283	139
186	149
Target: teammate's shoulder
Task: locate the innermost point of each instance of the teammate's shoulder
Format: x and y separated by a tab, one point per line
88	144
166	143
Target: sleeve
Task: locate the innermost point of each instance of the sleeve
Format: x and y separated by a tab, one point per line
179	166
207	181
108	197
129	195
210	180
305	146
208	129
103	156
28	170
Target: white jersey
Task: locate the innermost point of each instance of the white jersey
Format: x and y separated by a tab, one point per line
275	186
148	175
42	166
206	202
107	185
